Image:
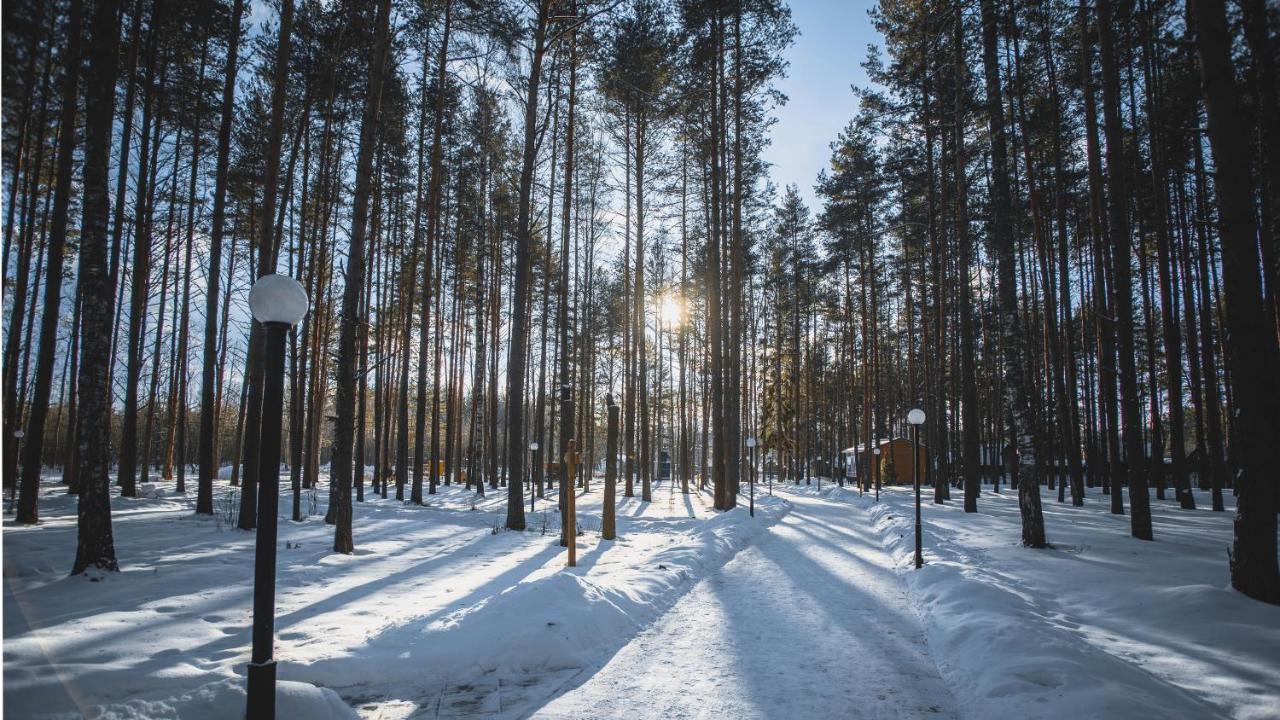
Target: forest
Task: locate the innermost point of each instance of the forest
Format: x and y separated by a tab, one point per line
1053	226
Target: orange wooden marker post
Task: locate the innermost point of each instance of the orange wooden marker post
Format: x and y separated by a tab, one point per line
570	501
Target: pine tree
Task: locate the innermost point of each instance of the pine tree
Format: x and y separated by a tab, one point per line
352	314
95	543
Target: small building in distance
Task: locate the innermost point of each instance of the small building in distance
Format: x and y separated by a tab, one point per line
893	464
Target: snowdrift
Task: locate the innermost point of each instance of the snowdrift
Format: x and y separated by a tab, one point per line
226	699
1099	626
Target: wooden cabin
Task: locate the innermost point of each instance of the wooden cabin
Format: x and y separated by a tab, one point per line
893	464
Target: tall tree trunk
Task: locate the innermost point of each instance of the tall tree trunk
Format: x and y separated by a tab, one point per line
140	273
32	450
1016	394
638	317
208	428
516	355
1262	45
1253	361
180	432
352	318
968	382
268	248
95	545
433	210
1209	360
737	261
715	315
1122	292
1104	313
562	316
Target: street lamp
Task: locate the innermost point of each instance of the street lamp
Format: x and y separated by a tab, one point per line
875	468
751	445
916	418
533	457
278	302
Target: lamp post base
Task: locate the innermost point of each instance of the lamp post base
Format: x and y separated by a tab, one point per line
262	691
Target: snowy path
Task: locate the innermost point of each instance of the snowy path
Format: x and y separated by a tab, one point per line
811	621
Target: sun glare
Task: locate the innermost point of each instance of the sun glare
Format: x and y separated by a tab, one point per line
671	308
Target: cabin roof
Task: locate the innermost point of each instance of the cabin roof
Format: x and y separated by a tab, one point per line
863	448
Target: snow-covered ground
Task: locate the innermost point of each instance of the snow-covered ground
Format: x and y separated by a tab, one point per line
810	622
439	611
811	609
1101	625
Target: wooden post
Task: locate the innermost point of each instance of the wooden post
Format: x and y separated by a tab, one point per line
608	529
565	471
570	502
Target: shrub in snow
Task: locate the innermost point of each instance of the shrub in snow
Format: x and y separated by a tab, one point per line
228	504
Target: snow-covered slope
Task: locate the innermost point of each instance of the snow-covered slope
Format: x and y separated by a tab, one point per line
1100	626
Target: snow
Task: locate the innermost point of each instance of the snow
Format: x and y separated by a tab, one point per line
538	618
810	622
1101	625
437	605
810	609
226	699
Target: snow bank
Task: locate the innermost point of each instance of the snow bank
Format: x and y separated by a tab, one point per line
1100	626
560	618
226	699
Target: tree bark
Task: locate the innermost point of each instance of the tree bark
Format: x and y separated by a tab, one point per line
352	317
29	489
1253	358
95	545
516	355
1016	396
1122	291
208	428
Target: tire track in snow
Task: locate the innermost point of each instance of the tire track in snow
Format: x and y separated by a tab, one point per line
812	621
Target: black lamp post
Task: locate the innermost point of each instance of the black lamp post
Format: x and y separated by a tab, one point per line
751	445
916	418
533	457
278	302
875	468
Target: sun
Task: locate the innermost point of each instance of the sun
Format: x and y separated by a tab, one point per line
671	309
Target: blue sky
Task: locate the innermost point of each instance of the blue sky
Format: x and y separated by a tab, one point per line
825	61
